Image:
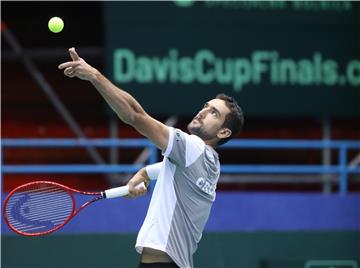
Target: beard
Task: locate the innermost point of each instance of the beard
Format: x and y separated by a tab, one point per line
198	130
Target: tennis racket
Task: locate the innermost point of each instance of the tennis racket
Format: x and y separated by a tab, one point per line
42	207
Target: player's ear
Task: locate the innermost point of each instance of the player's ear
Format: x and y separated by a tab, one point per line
224	133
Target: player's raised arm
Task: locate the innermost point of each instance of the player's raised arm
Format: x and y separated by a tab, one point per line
125	106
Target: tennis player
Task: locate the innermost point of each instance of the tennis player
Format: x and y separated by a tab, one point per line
187	176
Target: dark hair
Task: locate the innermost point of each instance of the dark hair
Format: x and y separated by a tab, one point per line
233	120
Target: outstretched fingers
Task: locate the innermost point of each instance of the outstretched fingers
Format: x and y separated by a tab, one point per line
73	54
77	67
68	64
75	60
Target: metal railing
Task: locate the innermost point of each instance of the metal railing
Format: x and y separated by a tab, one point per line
341	168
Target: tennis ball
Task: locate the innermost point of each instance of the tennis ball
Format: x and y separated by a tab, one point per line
56	24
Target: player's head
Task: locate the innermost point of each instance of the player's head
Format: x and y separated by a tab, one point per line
218	121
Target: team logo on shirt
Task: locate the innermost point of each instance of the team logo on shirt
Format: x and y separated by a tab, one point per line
206	186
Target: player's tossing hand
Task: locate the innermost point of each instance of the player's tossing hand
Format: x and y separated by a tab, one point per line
78	67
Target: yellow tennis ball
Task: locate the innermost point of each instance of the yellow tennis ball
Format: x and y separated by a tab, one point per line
56	24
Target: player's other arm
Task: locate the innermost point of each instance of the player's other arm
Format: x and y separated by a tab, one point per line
150	172
125	106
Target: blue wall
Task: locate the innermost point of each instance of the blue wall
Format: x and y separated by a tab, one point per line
232	212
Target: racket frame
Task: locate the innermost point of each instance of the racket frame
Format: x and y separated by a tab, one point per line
71	191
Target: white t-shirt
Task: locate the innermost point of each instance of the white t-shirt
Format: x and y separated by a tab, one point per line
182	198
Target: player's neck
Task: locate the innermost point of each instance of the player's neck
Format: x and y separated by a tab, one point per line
212	143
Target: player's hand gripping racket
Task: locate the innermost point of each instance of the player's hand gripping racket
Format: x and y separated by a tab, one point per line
42	207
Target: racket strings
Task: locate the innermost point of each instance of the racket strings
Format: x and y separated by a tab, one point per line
39	208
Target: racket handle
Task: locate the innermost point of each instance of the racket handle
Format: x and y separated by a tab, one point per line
120	191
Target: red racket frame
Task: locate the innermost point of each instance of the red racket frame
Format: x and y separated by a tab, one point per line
71	192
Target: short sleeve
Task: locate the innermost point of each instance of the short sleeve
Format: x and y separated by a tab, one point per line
183	149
